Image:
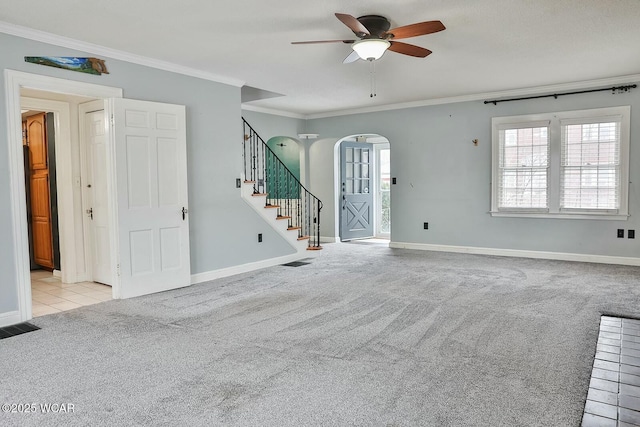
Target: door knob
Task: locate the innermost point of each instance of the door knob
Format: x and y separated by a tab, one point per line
184	213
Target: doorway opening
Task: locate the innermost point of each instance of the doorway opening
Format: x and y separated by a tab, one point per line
383	191
61	277
25	91
363	178
147	191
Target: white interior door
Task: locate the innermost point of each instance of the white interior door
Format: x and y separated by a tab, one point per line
96	195
149	140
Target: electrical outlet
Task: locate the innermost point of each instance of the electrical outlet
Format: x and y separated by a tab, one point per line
393	180
426	225
238	183
631	234
259	237
620	233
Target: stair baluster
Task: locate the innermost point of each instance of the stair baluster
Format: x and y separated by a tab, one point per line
269	175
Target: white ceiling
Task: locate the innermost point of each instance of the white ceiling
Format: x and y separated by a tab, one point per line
488	46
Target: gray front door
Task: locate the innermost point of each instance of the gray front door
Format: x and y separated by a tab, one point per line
356	213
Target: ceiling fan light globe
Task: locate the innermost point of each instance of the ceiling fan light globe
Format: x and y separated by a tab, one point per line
370	49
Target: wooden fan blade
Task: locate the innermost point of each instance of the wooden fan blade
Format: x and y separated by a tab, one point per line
355	25
409	49
413	30
325	41
353	57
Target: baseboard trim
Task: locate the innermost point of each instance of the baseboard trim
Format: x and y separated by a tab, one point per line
245	268
517	253
10	318
327	239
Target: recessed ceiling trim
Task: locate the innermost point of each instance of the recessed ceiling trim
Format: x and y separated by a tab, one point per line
452	100
44	37
273	111
586	84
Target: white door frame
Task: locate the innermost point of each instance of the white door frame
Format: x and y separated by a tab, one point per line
14	81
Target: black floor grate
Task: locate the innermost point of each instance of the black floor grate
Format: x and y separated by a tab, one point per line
296	264
13	330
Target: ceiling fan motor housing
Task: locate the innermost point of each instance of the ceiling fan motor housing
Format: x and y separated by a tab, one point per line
376	24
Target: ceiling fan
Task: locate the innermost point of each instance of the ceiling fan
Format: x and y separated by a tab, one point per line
375	37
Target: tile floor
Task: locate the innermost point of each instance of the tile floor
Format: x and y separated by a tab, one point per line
49	295
614	391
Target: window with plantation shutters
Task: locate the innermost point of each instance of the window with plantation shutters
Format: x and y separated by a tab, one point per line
571	164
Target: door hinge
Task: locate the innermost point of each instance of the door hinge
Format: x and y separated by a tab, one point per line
113	121
118	270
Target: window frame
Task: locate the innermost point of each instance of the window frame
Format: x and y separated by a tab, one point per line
554	170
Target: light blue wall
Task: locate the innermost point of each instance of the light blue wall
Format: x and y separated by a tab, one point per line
223	228
445	180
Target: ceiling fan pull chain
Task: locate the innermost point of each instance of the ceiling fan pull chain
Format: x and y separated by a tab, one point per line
372	73
375	85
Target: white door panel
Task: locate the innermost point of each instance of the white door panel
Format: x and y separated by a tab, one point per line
97	206
151	186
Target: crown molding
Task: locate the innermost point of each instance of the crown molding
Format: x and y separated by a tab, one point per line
536	90
44	37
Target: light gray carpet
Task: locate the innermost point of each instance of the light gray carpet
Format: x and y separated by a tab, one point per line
364	335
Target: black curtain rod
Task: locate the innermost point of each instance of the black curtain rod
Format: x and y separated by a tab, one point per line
556	95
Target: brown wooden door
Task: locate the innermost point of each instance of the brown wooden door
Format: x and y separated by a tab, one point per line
39	186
